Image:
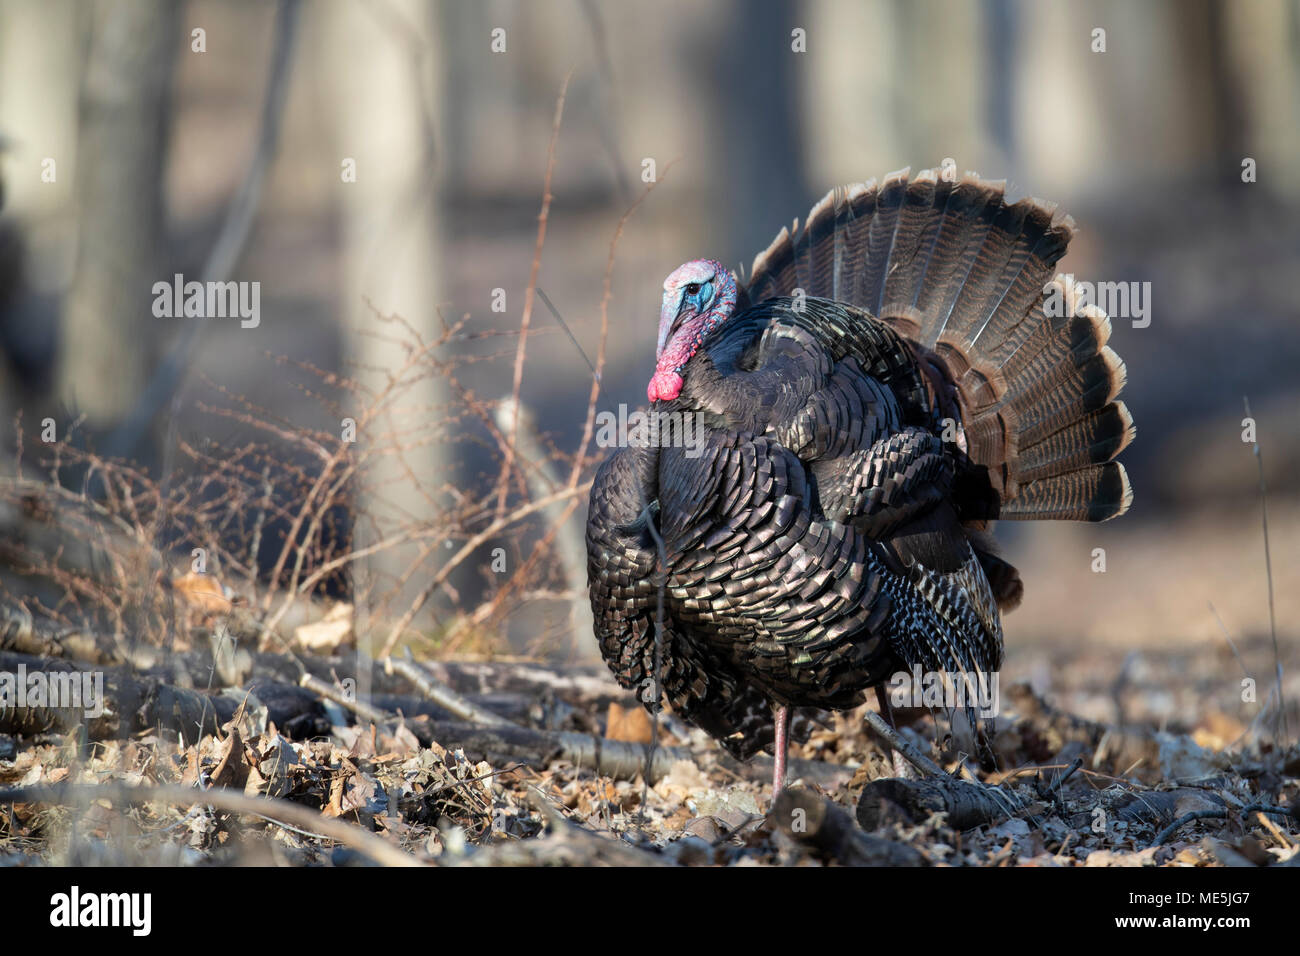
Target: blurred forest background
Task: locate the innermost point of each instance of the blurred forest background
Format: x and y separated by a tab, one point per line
229	164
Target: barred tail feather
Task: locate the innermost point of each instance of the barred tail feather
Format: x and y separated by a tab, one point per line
970	278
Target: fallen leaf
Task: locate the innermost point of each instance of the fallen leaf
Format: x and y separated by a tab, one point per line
631	725
683	779
232	769
328	634
202	592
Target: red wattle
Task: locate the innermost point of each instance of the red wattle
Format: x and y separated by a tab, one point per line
665	385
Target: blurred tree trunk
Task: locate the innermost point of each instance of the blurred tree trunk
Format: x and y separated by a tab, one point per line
108	326
383	66
39	72
1001	109
762	180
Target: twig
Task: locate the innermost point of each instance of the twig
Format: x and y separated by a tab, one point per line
1056	785
440	693
567	331
1228	637
896	740
1186	818
524	320
1271	827
465	551
606	296
358	707
1268	568
660	585
269	808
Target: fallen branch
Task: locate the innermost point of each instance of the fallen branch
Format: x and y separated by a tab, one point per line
130	705
268	808
967	804
348	701
442	695
1157	807
1186	818
896	740
23	633
539	748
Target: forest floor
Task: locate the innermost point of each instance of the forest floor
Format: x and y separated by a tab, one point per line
491	763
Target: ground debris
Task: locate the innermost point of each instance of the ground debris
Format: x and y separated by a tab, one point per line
563	784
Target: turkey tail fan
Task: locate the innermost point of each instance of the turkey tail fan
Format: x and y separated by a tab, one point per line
971	280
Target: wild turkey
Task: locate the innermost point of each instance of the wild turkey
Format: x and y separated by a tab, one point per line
888	381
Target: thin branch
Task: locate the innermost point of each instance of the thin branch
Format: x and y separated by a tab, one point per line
607	295
269	808
900	743
1282	723
1186	818
440	694
346	701
466	550
526	317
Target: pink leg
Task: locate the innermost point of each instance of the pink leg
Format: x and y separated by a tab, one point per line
781	717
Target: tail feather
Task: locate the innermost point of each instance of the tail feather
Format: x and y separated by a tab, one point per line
965	275
818	253
970	214
1028	270
1078	331
859	207
1071	391
985	282
914	236
773	270
1096	493
1094	439
881	230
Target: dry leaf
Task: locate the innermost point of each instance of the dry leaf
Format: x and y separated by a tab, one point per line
1218	731
628	724
202	592
328	634
232	769
684	779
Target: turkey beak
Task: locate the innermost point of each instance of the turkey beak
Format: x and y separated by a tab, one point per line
669	319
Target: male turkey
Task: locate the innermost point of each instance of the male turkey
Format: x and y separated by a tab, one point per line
887	382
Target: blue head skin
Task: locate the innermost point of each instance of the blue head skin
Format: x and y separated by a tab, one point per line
698	297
